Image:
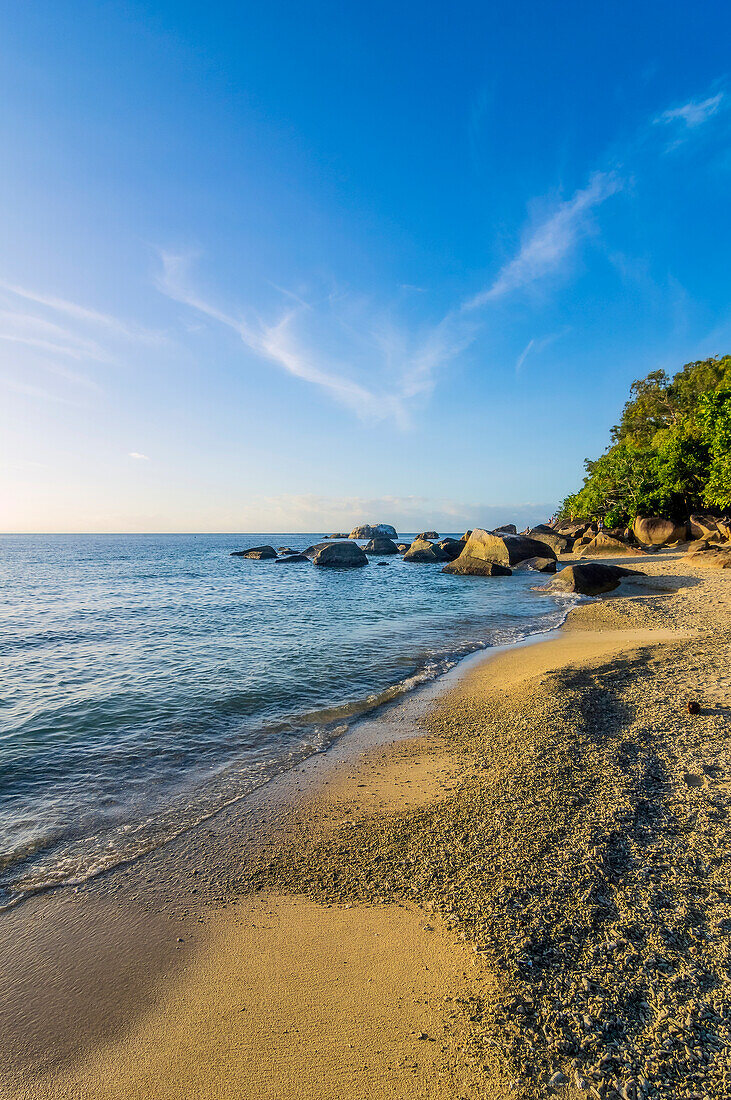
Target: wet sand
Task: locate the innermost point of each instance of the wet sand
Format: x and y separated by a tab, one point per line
465	886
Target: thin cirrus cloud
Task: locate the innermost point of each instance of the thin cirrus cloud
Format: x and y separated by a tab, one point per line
691	114
549	243
302	341
52	335
139	456
315	345
535	347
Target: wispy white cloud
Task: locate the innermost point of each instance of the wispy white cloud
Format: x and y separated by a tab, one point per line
140	457
28	389
535	346
691	114
549	243
46	334
365	363
80	313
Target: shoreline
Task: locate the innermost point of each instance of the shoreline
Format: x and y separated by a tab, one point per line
369	712
365	788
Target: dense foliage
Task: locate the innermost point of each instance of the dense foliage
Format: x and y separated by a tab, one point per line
670	454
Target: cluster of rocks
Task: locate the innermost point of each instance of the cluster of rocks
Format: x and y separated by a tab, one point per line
496	553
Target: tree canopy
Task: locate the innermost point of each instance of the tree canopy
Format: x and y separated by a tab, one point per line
669	455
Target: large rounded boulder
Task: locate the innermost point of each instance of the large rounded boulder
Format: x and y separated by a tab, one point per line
607	546
590	578
655	531
506	529
380	547
340	555
505	549
423	551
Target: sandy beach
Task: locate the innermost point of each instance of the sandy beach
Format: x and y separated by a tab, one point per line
532	894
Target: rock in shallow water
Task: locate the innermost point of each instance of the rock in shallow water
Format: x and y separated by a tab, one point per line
381	546
260	553
466	566
537	565
421	550
343	555
505	549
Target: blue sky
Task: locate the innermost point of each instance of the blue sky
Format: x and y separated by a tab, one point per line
289	266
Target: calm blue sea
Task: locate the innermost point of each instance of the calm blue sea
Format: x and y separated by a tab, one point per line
148	680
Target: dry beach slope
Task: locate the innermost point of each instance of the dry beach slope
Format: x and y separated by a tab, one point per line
540	885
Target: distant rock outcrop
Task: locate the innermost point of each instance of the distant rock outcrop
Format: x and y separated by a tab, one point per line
368	531
338	535
260	553
343	555
591	578
380	547
504	549
421	550
654	531
428	536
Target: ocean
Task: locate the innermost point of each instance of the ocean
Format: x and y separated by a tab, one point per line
147	681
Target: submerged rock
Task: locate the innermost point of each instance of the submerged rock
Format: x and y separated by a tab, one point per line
591	578
287	559
260	553
538	565
465	566
343	555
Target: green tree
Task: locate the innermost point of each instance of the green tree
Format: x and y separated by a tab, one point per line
670	453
